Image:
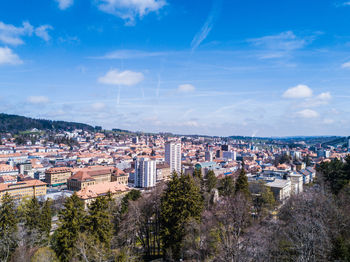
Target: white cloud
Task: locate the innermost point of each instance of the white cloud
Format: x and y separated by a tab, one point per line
186	88
299	91
8	57
284	41
324	96
64	4
307	113
346	65
130	9
98	106
42	32
126	78
12	35
328	121
130	54
38	99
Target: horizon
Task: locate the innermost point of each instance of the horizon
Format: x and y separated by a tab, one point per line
218	68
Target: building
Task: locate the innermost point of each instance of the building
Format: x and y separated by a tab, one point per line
349	143
89	193
120	176
232	155
208	156
27	188
56	176
145	173
89	176
173	156
163	172
281	188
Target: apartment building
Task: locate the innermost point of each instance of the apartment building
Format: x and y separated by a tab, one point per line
27	188
56	176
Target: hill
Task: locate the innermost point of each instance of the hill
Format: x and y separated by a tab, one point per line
15	123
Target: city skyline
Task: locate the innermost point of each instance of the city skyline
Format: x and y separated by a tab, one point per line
205	67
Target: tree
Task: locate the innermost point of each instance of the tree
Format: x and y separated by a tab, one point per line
211	181
44	254
197	173
99	224
71	223
8	227
242	185
180	202
46	217
227	187
133	195
232	215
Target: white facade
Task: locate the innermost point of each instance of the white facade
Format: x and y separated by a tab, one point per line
145	172
232	155
173	156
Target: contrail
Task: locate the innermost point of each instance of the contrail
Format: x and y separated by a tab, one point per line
208	25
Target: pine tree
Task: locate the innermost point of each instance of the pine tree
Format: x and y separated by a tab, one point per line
180	202
227	187
71	223
242	185
99	224
46	217
8	227
211	181
32	219
197	173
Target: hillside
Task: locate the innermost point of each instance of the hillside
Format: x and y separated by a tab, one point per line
15	123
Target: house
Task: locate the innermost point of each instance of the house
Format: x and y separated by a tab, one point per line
56	176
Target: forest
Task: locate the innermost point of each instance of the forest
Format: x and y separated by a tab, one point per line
189	218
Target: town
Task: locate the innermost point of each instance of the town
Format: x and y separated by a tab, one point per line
102	162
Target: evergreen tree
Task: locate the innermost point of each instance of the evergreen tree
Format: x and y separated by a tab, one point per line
99	224
197	173
8	227
180	202
71	223
32	219
242	185
211	181
46	217
227	187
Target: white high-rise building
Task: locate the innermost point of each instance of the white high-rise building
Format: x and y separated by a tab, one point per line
173	156
145	172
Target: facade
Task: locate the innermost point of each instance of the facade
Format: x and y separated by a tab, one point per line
208	156
281	189
120	176
90	193
232	155
27	188
89	176
56	176
145	173
173	156
163	172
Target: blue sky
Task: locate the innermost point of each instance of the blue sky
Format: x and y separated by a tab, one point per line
229	67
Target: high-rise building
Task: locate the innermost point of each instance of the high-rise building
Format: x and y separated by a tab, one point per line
145	172
208	156
173	156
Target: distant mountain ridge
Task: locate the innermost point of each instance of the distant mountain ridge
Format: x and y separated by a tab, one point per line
16	123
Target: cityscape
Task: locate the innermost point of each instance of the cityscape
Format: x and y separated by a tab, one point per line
162	130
